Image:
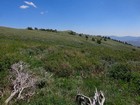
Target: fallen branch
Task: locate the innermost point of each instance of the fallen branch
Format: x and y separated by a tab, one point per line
22	81
98	99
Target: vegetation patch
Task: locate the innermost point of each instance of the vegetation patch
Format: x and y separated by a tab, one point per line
66	63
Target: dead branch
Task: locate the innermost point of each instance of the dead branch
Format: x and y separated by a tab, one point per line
22	81
98	99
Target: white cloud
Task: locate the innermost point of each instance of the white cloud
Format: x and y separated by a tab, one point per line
24	7
30	3
43	12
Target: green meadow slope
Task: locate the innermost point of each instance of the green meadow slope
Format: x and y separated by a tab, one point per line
75	65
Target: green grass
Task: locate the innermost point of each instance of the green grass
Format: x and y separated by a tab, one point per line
77	65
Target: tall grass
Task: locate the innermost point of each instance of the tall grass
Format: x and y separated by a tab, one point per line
77	65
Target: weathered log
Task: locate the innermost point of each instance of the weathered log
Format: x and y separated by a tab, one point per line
98	99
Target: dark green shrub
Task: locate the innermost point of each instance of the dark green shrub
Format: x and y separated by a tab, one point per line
108	38
99	41
80	34
72	33
29	28
93	39
120	72
86	37
133	49
51	30
105	39
35	28
42	29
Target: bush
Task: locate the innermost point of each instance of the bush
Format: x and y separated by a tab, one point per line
42	29
133	49
51	30
105	39
80	34
72	33
35	28
29	28
93	39
99	41
86	37
120	72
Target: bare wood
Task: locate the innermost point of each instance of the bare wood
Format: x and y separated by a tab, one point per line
22	81
11	97
98	99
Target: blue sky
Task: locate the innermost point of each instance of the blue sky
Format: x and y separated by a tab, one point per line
97	17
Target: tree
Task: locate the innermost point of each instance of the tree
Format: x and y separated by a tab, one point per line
29	28
36	28
51	30
42	29
108	37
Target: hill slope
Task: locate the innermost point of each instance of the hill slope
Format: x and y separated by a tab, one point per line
132	40
76	64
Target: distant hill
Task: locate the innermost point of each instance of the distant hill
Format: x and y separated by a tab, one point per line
130	39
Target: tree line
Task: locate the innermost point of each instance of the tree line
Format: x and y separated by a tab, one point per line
42	29
98	40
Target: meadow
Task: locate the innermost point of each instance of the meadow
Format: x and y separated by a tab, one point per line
74	64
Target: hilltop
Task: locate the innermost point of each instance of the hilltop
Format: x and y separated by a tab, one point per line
74	63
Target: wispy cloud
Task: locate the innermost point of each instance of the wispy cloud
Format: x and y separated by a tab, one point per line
43	12
30	4
24	7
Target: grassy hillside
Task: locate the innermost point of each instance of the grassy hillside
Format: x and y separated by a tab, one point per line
76	65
